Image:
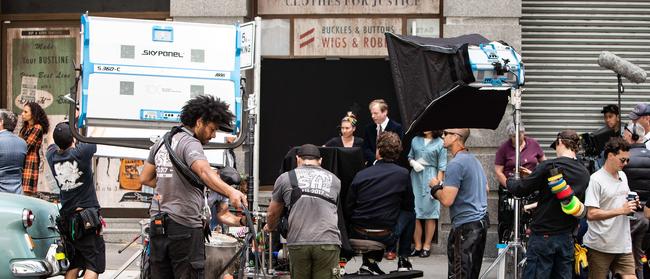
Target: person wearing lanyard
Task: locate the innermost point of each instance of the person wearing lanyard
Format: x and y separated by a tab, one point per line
464	191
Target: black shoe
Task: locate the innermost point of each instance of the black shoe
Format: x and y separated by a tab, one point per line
370	269
404	264
415	253
425	253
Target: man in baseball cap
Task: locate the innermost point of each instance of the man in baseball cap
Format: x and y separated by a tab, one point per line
641	115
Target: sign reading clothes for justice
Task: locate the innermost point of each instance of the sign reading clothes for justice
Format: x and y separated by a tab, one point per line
280	7
343	36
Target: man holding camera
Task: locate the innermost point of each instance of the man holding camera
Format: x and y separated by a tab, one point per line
177	240
550	247
608	203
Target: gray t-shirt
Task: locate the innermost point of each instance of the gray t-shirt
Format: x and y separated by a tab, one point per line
312	220
465	172
178	198
606	192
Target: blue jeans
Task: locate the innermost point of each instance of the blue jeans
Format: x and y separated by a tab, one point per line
404	233
549	256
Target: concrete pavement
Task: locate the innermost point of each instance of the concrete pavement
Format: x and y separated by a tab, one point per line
434	267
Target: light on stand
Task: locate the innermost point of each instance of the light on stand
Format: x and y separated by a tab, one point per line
497	66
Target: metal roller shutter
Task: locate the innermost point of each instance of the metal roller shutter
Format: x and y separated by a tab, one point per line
565	87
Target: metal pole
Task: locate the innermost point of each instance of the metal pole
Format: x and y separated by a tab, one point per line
620	109
517	104
256	90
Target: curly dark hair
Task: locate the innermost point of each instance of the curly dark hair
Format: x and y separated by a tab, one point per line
39	116
616	145
389	146
208	108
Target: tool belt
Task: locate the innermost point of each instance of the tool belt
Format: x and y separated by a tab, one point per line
80	223
158	224
372	232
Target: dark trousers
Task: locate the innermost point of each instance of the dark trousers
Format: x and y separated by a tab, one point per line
638	228
404	232
179	253
465	248
388	240
506	216
549	256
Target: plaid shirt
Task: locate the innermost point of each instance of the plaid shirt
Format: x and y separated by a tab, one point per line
33	135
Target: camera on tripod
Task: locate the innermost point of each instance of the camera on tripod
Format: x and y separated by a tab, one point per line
592	145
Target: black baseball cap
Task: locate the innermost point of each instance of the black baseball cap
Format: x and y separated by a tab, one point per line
62	135
308	150
565	135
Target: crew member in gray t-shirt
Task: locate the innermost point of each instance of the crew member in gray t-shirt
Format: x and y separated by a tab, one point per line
464	191
314	239
177	242
608	235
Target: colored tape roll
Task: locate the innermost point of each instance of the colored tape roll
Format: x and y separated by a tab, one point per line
581	212
555	182
565	194
555	177
575	211
558	188
571	206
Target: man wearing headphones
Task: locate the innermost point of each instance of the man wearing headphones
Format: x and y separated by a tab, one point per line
641	116
638	173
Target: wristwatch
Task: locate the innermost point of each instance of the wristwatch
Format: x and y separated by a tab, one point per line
435	189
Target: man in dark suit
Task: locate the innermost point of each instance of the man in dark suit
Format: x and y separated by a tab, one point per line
380	205
379	113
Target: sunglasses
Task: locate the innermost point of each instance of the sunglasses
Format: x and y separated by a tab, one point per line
624	160
445	133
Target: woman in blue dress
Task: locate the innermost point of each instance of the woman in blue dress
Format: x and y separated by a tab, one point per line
429	160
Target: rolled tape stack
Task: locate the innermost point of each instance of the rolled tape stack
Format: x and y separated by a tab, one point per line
571	205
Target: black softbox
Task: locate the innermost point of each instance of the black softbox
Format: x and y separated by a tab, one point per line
431	77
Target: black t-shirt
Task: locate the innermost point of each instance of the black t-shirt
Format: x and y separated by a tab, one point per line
548	217
72	170
338	142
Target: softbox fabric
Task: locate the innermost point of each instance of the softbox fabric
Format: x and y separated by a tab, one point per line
431	77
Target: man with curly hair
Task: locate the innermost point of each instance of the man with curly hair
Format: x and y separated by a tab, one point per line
380	205
179	250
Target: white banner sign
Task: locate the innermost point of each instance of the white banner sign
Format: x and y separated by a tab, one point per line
247	54
343	36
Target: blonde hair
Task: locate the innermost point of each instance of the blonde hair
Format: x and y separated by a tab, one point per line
380	102
351	118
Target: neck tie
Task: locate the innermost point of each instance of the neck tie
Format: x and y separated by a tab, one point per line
379	130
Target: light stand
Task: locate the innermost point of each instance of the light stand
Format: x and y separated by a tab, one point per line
515	244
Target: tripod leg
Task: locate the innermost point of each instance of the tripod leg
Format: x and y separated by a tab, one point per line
496	261
122	268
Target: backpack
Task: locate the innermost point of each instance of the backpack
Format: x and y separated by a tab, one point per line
296	194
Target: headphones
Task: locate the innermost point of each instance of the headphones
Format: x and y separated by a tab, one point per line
635	136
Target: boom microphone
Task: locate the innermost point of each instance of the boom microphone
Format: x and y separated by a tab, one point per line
622	67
